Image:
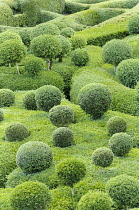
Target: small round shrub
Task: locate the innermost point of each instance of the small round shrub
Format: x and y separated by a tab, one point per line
1	115
128	72
102	157
94	99
78	42
80	57
62	137
47	96
70	171
133	25
16	132
95	200
29	101
67	32
25	36
33	65
8	35
116	124
61	115
30	195
120	143
124	190
34	156
7	97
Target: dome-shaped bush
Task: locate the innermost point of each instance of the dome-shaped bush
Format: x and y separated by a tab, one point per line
80	57
16	132
67	32
94	99
78	42
62	137
30	195
102	157
1	115
8	35
47	96
6	14
116	124
29	101
128	72
124	190
25	35
34	156
133	25
7	97
61	115
120	143
33	65
95	201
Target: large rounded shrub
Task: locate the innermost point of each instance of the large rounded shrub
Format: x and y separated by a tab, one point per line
116	50
8	35
29	101
61	115
80	57
6	14
95	201
47	96
94	99
120	143
7	97
1	115
70	171
34	156
78	42
128	72
67	32
116	124
16	132
124	190
133	24
30	196
62	137
102	157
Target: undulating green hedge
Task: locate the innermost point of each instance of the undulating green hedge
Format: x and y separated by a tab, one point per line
48	15
73	7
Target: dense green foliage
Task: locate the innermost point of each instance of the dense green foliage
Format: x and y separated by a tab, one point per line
1	115
67	32
8	35
7	97
5	14
133	25
80	57
29	101
78	42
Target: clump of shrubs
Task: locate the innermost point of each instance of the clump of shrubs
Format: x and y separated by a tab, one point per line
63	137
30	195
47	96
1	115
67	32
16	132
116	124
7	97
34	156
120	143
80	57
29	101
78	42
133	25
61	115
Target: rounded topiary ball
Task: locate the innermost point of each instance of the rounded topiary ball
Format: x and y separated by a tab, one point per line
78	41
7	97
94	99
29	101
30	195
80	57
16	132
133	25
116	124
95	200
67	32
34	156
61	115
47	96
1	115
102	157
62	137
120	143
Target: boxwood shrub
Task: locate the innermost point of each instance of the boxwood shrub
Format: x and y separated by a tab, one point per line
116	124
6	35
73	7
7	97
29	101
67	32
80	57
78	42
133	25
6	14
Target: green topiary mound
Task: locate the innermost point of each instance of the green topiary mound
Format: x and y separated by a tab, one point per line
62	137
133	25
16	132
94	99
67	32
30	196
8	35
95	200
102	157
61	115
6	14
80	57
29	101
34	156
47	96
7	97
78	42
120	143
1	115
116	124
